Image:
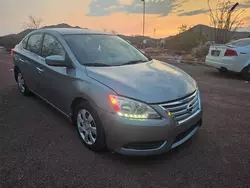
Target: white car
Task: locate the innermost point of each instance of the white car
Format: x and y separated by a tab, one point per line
233	56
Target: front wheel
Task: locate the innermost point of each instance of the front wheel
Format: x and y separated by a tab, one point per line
89	126
246	73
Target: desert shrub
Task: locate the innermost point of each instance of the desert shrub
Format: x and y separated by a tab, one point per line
201	52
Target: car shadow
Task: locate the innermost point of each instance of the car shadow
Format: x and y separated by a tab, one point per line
226	75
50	109
118	158
114	157
175	154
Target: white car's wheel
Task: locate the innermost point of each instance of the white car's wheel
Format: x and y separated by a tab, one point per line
246	73
222	70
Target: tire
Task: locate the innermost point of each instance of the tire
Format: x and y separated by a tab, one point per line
22	86
246	73
94	129
222	70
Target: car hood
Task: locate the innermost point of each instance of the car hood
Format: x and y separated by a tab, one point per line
151	82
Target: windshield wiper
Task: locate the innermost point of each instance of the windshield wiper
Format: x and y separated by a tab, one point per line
96	65
134	62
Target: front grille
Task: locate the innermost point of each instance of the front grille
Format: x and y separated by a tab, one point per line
183	109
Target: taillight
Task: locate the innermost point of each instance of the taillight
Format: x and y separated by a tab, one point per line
230	52
12	52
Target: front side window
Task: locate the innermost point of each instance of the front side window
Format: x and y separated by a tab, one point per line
106	50
34	43
51	46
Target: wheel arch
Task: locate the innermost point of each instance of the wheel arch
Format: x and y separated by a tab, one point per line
16	69
74	103
246	65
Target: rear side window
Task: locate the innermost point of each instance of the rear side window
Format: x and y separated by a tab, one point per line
51	46
24	42
34	43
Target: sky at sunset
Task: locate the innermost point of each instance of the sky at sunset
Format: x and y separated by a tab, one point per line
123	16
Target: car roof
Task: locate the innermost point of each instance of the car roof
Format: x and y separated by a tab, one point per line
71	31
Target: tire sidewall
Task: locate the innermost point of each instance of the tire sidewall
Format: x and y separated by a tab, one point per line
245	73
100	139
222	71
26	91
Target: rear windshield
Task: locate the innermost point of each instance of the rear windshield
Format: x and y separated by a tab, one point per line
241	42
103	49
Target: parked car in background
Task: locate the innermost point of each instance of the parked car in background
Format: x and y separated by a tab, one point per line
233	56
116	96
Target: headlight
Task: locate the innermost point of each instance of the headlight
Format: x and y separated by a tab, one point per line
132	109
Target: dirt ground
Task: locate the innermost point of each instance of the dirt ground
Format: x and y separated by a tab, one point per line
40	148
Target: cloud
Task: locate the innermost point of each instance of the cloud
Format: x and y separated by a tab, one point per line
102	7
246	4
194	12
246	29
125	2
181	10
158	7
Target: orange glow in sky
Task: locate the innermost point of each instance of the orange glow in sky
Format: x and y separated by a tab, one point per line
123	16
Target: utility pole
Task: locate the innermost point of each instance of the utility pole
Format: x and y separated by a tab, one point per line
144	10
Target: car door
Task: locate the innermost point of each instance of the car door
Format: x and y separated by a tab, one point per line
55	79
29	59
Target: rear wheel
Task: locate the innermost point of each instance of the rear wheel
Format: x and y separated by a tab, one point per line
23	88
89	126
246	73
221	70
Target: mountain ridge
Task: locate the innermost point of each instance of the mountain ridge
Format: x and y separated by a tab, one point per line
9	41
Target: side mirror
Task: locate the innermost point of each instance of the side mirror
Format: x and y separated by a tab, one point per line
57	61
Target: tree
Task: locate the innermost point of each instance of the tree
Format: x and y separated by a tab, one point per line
33	23
113	32
183	28
226	19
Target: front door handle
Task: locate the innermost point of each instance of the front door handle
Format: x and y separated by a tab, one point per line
22	61
39	70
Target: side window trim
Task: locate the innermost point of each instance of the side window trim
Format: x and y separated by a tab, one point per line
51	35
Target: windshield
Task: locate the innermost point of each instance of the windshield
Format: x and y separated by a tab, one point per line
106	50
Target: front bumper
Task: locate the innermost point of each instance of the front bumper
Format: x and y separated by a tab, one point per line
146	137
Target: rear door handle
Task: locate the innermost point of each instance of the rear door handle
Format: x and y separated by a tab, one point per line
39	70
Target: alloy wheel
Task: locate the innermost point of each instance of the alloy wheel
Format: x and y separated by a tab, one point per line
86	126
20	82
